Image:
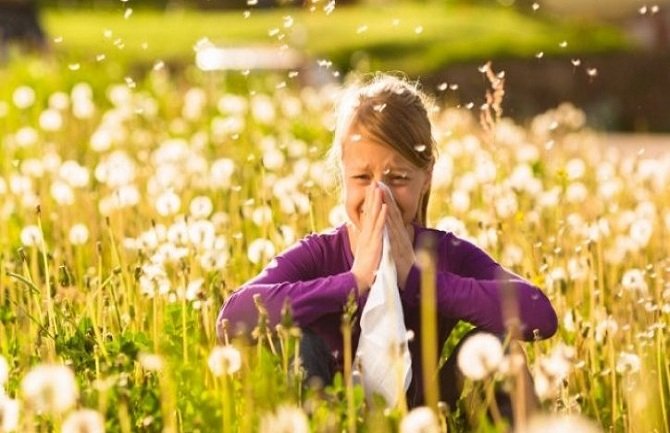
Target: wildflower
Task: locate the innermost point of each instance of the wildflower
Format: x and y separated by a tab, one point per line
150	361
286	419
9	414
78	234
74	174
606	328
194	289
576	193
26	137
50	120
62	193
50	388
273	159
549	372
167	203
84	421
420	420
628	363
560	424
641	231
262	109
262	216
224	360
221	172
480	356
260	249
201	206
23	97
31	236
633	281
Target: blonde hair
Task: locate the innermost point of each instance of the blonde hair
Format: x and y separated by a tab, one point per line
392	111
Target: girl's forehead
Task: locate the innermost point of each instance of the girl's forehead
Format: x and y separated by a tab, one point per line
362	153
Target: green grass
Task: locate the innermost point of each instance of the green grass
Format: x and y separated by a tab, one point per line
410	37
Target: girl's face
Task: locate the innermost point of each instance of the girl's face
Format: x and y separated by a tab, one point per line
365	161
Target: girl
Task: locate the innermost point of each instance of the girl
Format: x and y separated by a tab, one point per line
383	134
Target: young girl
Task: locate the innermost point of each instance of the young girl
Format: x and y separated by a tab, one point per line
383	134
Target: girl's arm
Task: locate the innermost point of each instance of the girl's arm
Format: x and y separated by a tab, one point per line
292	276
475	294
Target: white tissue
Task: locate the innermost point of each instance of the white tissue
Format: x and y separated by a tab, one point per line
383	333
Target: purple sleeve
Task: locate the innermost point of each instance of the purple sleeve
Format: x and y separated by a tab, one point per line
292	275
470	286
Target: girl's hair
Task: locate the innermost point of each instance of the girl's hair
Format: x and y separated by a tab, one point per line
391	111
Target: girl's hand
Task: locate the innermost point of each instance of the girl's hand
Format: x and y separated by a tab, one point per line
369	239
400	236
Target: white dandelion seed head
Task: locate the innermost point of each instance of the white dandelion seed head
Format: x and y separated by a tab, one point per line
259	250
59	101
151	361
84	421
628	363
224	360
31	236
9	414
62	193
221	172
641	231
78	234
633	281
480	356
201	207
263	109
168	203
26	137
75	175
194	289
262	216
285	419
453	225
607	327
23	97
50	120
460	201
420	420
576	192
233	104
50	388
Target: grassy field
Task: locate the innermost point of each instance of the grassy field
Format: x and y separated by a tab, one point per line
412	37
130	210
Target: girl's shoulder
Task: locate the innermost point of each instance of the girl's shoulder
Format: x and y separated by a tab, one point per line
327	242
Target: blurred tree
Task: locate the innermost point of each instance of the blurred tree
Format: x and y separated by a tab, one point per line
19	25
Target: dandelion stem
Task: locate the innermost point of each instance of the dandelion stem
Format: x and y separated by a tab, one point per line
426	262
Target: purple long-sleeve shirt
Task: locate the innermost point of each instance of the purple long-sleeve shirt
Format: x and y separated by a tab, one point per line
315	276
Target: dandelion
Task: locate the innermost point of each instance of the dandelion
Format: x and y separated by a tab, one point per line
627	363
62	193
633	281
167	203
480	356
420	420
23	97
9	414
50	388
31	236
78	234
50	120
26	137
150	361
260	249
262	216
224	360
84	421
641	231
201	207
286	419
605	328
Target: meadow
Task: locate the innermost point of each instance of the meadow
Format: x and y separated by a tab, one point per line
131	208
